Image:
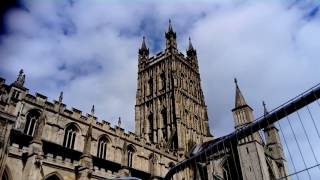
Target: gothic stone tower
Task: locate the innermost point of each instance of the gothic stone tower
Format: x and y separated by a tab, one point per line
170	108
250	149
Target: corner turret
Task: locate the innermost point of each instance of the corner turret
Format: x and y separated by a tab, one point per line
242	112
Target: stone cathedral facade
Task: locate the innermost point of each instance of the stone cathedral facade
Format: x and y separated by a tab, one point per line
44	140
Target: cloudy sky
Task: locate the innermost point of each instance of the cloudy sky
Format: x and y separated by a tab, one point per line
88	50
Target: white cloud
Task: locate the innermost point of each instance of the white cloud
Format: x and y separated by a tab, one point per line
269	46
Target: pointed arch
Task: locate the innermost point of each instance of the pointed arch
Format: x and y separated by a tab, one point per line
32	117
103	142
70	135
53	176
130	152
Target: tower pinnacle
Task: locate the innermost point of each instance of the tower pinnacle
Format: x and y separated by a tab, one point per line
191	52
171	42
143	51
143	45
61	97
190	44
170	29
240	101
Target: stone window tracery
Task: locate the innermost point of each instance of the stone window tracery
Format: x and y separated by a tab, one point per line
70	136
32	119
102	147
130	152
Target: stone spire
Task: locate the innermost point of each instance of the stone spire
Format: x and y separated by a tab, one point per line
171	42
242	112
143	51
20	79
240	101
190	47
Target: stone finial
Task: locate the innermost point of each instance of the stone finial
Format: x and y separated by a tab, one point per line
92	110
119	122
170	29
61	97
20	79
265	111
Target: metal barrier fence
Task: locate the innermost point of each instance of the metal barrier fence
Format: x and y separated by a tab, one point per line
294	122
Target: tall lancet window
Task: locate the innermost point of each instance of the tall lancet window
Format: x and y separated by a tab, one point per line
130	152
32	119
150	119
102	147
70	135
165	123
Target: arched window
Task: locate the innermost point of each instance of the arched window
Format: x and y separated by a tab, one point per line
32	118
70	135
102	147
165	123
130	152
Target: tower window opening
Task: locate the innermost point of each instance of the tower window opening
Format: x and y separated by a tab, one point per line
130	152
102	147
32	119
150	87
150	119
70	136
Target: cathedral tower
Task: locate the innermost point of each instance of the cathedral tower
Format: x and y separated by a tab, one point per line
170	107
